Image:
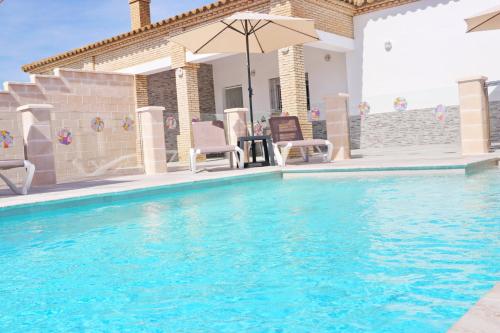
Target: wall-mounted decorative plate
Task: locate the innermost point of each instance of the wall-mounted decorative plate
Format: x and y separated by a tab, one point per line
315	114
97	124
440	113
128	124
171	122
64	136
6	139
364	109
400	104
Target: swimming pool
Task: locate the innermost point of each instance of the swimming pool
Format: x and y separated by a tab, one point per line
386	254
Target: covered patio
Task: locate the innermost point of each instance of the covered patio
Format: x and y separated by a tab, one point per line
295	81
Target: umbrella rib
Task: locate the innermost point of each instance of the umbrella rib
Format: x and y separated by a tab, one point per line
480	24
230	26
253	32
295	30
254	26
243	27
262	26
216	35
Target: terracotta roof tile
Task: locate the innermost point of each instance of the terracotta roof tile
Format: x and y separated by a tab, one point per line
165	22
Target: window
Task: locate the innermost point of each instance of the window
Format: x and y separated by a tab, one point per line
233	97
275	94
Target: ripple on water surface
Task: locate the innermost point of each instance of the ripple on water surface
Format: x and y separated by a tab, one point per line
389	254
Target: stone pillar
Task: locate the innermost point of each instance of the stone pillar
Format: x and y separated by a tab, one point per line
474	116
188	105
150	119
37	132
236	126
337	126
293	86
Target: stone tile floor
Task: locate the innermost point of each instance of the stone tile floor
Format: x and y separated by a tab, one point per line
484	317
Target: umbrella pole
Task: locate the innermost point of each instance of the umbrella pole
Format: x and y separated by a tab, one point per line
249	74
250	91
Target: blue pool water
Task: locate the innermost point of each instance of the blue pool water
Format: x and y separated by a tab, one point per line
391	254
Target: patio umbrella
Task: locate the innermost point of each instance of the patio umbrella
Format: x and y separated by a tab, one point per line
250	33
488	20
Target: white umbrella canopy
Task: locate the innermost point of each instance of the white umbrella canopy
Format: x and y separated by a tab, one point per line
487	20
248	32
265	32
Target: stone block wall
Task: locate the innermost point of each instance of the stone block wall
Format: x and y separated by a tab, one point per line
162	91
495	122
410	128
402	129
355	131
81	100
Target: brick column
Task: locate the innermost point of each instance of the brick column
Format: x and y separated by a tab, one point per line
150	120
188	105
141	100
337	126
293	86
37	132
474	116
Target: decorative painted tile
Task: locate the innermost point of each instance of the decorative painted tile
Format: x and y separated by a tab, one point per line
440	113
64	136
171	122
315	114
400	104
128	124
6	139
364	109
97	124
258	128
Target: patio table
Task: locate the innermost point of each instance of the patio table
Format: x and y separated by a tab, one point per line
267	145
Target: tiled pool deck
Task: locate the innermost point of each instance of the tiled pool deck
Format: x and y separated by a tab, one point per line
371	165
484	317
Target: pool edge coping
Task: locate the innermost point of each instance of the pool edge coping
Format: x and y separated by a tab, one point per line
114	195
483	316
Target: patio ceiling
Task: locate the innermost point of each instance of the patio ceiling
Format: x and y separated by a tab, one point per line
329	42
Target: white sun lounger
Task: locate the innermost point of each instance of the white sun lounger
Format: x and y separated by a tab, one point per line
209	138
287	134
12	164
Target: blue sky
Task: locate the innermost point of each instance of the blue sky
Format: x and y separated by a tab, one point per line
34	29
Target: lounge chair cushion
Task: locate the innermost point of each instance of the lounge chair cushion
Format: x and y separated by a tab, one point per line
216	149
303	143
10	164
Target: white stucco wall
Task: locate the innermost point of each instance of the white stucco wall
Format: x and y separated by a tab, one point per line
325	78
231	71
430	52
